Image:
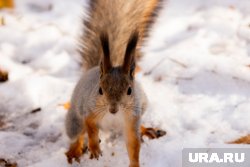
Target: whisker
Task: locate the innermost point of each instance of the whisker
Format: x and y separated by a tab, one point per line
131	107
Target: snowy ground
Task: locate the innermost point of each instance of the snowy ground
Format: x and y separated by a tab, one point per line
196	73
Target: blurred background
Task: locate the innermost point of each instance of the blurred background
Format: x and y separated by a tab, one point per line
195	71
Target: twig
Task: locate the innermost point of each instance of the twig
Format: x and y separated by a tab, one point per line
162	60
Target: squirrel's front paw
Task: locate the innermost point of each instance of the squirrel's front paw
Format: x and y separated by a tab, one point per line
74	153
95	151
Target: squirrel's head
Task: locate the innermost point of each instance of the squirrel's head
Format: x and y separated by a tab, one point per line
116	83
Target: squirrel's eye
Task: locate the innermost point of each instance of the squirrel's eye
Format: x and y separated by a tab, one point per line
129	91
100	91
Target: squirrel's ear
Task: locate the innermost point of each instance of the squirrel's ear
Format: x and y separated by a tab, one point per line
101	69
129	59
105	62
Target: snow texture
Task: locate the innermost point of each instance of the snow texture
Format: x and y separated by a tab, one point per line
195	71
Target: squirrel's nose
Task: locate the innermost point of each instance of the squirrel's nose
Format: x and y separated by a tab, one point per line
113	110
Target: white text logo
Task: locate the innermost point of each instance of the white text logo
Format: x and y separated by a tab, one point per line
214	158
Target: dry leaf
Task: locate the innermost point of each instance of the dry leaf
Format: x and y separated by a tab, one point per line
2	22
6	4
242	140
137	69
6	163
2	123
3	76
66	105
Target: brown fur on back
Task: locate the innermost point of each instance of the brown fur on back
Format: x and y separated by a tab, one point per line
118	18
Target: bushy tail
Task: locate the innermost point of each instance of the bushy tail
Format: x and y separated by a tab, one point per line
118	18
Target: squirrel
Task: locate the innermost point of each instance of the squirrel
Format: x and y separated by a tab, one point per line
107	96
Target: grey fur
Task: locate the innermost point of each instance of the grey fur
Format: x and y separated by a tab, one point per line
85	97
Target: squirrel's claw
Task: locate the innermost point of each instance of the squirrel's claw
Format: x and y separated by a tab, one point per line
78	159
95	154
70	158
75	152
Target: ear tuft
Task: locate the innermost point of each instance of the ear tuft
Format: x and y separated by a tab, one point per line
106	64
105	43
129	59
132	42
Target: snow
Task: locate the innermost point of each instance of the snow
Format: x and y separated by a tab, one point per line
195	72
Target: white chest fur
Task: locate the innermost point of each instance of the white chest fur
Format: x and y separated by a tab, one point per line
112	122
